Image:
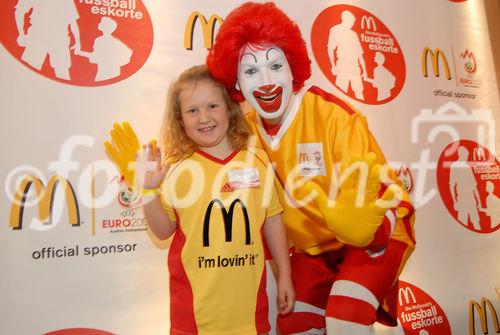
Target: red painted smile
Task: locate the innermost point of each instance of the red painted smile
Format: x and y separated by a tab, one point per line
270	102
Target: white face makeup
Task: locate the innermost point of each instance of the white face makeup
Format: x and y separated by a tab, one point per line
265	79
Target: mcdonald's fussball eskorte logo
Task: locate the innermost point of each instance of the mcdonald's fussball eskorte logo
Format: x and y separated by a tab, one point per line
227	217
208	28
435	55
481	309
45	200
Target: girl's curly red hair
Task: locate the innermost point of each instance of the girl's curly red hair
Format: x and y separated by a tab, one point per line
257	24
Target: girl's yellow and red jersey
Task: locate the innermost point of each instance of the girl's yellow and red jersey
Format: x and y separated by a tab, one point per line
216	259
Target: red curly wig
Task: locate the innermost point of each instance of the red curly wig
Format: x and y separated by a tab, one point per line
257	24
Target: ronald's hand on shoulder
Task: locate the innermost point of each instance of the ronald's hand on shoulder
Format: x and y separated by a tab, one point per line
358	211
123	150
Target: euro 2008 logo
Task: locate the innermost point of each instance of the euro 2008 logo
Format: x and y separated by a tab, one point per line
78	42
358	54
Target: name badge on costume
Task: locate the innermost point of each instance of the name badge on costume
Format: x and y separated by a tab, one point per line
310	156
243	178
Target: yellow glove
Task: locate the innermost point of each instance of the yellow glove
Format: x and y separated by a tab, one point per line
123	150
357	212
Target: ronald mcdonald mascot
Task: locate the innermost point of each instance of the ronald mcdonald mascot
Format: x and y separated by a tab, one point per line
350	222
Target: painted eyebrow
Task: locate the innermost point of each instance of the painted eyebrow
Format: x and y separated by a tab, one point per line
251	54
267	52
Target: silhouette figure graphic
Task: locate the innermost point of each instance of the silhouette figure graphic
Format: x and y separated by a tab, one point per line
109	53
48	35
463	189
383	80
346	56
492	208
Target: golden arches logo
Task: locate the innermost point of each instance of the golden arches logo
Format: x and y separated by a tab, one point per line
407	293
227	217
368	22
207	27
481	310
479	155
45	200
303	158
435	56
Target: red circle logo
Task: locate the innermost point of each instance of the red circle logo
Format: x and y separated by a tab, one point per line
78	331
358	54
419	313
468	181
80	42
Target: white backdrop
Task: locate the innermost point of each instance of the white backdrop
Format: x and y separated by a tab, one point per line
106	273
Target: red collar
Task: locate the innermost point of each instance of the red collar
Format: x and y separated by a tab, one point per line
271	129
217	160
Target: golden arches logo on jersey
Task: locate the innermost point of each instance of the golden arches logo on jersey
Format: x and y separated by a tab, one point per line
227	217
435	56
481	310
303	158
45	200
207	27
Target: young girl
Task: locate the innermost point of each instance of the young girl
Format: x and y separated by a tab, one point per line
218	199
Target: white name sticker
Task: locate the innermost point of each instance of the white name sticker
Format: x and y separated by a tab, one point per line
310	159
243	178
